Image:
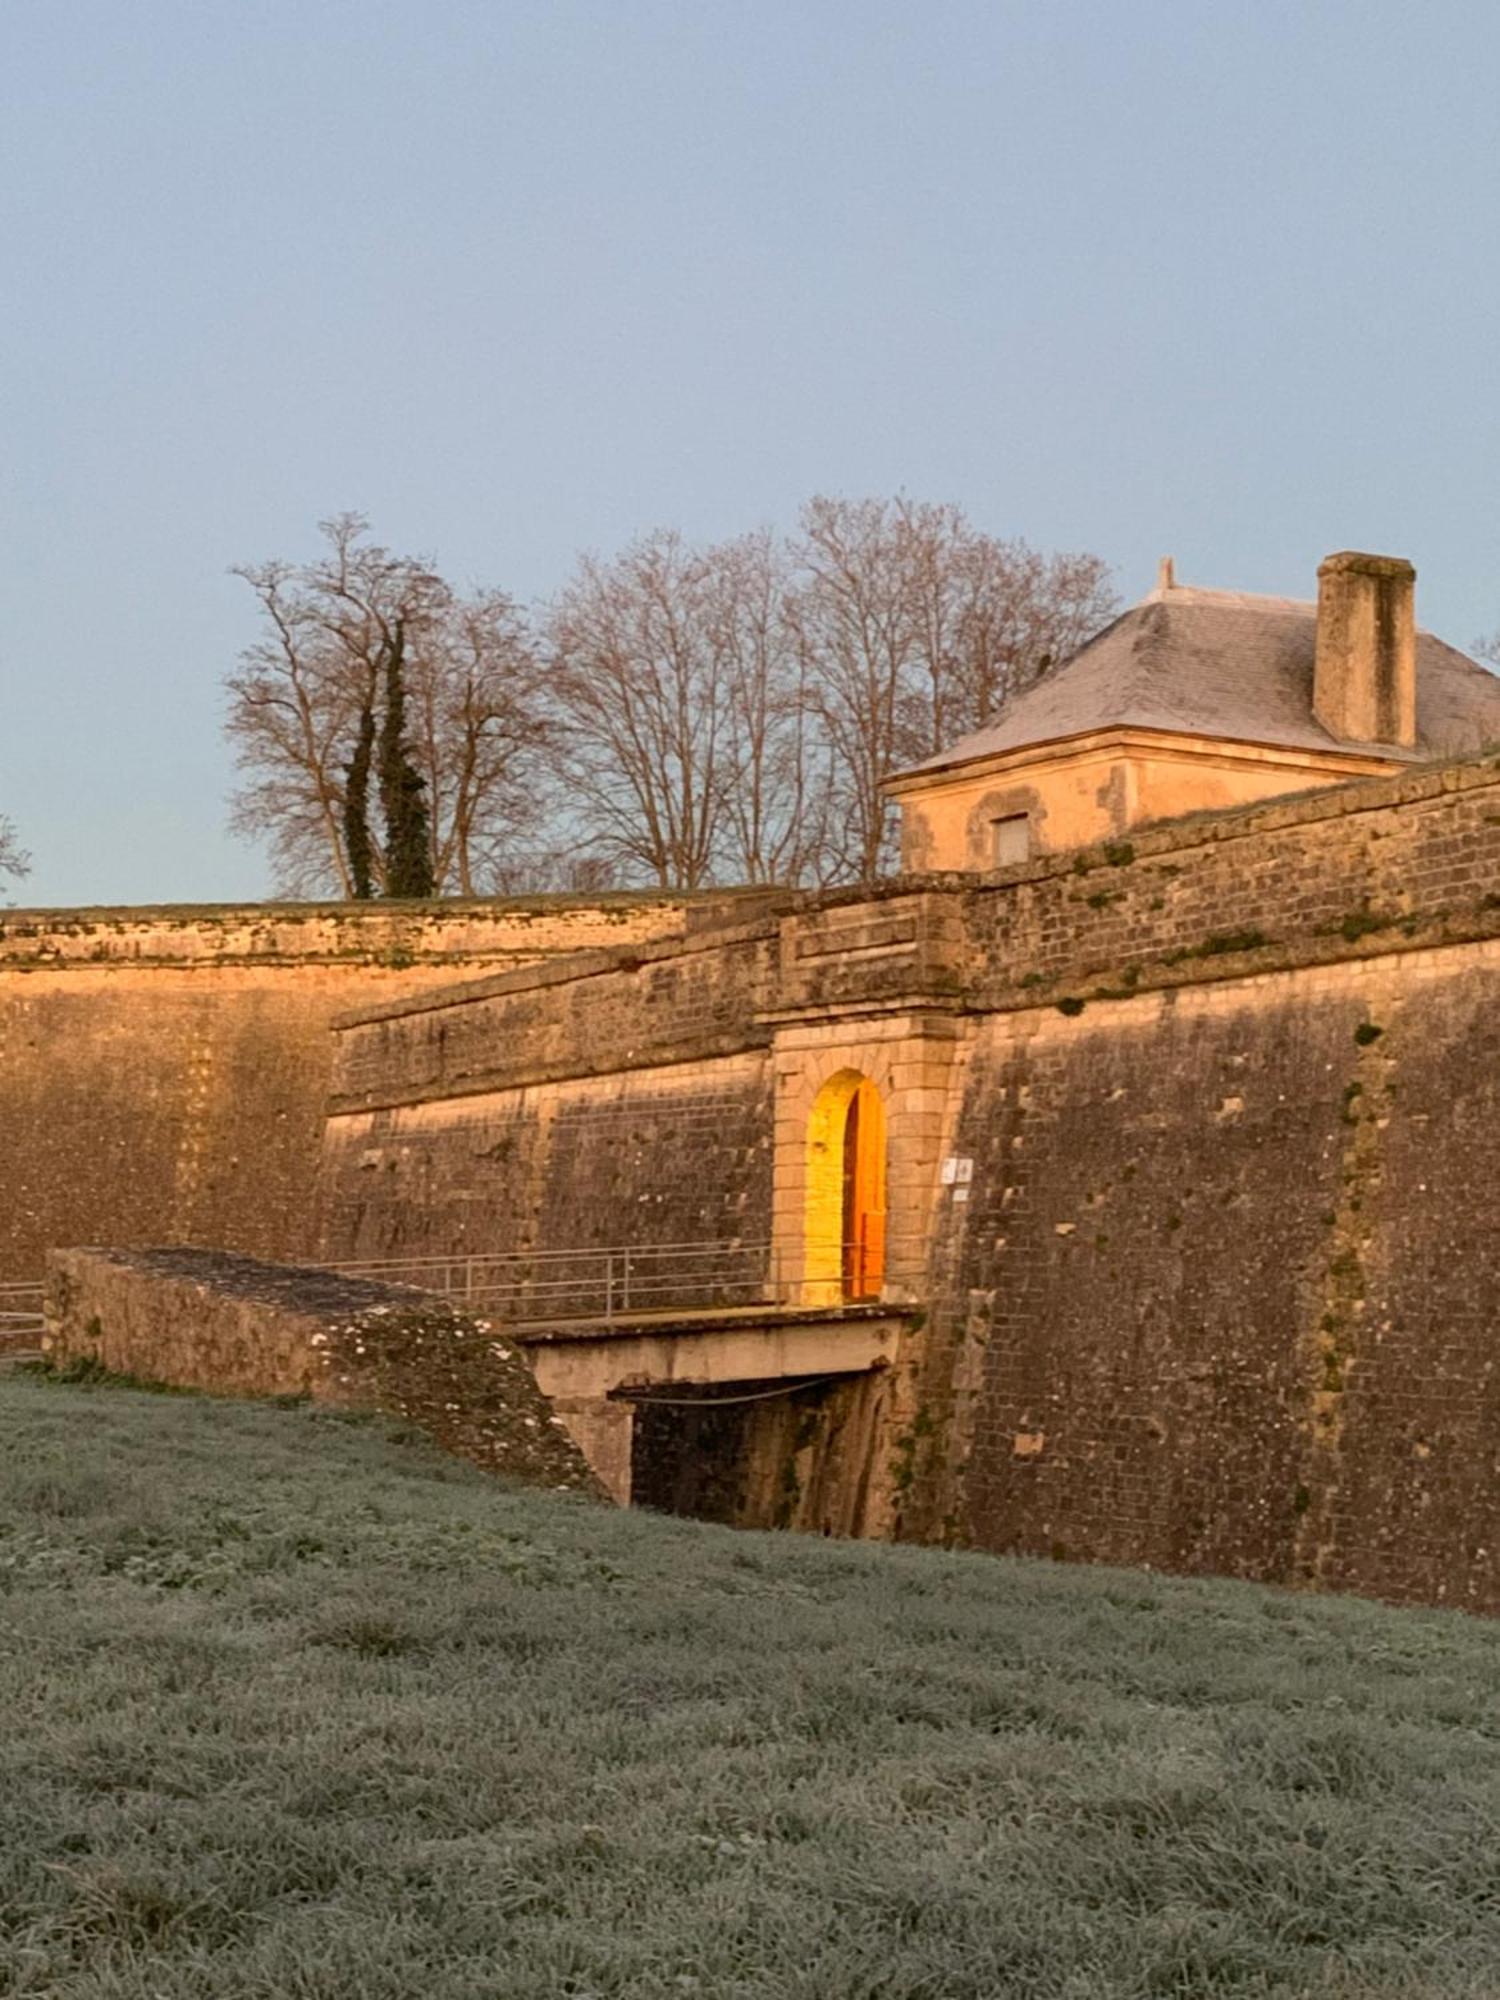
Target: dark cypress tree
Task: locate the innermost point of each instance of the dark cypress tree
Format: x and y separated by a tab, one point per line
408	845
357	842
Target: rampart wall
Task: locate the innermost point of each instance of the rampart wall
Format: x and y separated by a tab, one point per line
1220	1289
1226	1292
613	1099
163	1072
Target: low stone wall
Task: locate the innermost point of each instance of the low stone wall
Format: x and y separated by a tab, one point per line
202	1319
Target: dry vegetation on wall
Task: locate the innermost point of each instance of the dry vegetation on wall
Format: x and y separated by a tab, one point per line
679	715
296	1708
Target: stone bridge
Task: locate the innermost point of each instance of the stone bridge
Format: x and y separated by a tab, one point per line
640	1348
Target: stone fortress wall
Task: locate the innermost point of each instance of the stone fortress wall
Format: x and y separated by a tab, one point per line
163	1071
1217	1287
1193	1143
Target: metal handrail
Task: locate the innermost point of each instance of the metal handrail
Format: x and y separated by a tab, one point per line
697	1245
597	1282
710	1249
20	1311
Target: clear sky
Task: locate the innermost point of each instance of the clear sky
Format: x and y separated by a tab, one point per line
1218	278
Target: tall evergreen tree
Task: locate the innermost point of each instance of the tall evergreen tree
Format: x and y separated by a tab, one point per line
357	842
408	839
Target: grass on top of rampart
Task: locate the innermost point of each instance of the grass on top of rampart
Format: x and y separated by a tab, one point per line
296	1709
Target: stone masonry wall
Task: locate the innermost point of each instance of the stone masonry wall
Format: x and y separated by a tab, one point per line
1305	881
163	1072
1343	874
1225	1293
1221	1288
594	1015
674	1155
1358	869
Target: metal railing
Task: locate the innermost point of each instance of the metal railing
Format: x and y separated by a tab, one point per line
629	1280
20	1316
609	1283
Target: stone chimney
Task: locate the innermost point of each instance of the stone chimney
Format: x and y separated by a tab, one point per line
1365	665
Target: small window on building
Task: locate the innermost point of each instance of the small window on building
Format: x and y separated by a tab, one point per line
1010	840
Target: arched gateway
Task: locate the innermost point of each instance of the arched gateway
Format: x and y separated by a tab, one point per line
846	1193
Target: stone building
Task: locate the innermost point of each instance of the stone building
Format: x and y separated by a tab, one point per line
1198	699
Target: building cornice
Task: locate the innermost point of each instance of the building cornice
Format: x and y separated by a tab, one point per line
1185	745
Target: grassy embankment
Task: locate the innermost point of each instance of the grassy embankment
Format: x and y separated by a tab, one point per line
295	1709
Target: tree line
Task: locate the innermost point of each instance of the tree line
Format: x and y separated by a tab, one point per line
677	715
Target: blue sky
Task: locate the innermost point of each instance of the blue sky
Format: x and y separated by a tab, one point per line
520	279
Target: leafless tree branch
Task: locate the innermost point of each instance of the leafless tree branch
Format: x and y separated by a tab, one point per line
296	697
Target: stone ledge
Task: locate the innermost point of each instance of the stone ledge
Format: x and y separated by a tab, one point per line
467	935
562	970
709	1319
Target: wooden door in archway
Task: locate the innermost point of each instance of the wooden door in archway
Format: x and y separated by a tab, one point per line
863	1261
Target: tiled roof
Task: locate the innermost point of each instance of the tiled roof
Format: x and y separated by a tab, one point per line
1217	663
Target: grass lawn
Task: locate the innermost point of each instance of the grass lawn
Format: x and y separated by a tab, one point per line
293	1708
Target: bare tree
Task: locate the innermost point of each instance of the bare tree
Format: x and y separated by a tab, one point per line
858	618
683	693
774	823
301	691
727	713
555	871
476	690
1018	613
304	695
637	679
735	710
917	627
292	710
14	860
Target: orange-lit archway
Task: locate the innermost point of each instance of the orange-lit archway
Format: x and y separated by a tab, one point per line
846	1146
